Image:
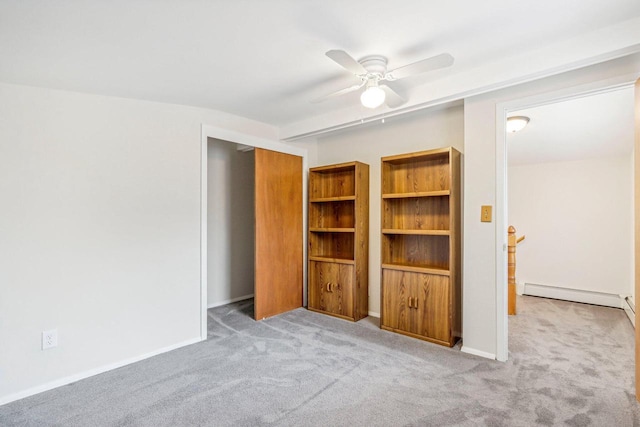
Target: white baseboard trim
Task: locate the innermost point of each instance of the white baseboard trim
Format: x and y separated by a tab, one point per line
480	353
374	314
91	372
229	301
520	288
576	295
629	308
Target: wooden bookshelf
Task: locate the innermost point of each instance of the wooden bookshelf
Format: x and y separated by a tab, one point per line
420	245
339	240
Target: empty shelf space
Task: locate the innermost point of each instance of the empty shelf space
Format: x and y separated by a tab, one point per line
331	184
329	259
332	169
332	214
422	157
416	250
417	269
435	193
331	230
331	199
331	244
416	232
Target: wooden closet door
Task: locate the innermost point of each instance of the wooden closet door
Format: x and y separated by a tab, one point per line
278	233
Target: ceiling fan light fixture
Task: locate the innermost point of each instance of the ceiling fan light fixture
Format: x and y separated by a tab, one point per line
372	69
374	96
516	123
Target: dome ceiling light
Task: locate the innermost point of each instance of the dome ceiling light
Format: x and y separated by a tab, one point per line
516	123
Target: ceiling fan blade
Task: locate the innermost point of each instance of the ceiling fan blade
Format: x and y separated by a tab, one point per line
392	99
338	93
433	63
346	61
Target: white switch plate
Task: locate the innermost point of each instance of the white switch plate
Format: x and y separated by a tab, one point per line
49	339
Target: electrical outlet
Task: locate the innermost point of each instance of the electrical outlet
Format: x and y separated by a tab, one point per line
49	339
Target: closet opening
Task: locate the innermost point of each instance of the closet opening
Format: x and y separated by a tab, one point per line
252	239
230	220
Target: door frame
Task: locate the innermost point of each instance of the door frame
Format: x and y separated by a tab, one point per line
207	132
501	210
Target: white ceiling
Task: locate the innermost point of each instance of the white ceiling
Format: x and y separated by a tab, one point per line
265	60
600	125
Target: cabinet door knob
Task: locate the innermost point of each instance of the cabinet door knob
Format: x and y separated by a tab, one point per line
328	287
409	302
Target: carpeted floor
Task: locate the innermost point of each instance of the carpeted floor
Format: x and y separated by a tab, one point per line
570	364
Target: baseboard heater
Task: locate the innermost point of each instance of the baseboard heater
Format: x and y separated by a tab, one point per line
575	295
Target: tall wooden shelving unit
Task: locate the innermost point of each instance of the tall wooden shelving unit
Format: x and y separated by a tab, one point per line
421	250
339	240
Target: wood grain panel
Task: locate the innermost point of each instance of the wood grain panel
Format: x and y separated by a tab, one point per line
434	312
362	241
331	288
395	291
332	214
278	233
419	213
417	173
455	240
332	182
416	250
331	245
417	303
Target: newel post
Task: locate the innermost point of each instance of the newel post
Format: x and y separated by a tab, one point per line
511	270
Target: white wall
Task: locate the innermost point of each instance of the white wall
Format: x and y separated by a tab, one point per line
414	132
231	220
100	226
577	218
479	252
632	237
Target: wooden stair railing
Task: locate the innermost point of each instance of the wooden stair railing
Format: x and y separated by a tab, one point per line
511	270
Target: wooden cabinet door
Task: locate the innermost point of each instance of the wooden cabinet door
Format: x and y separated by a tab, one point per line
278	233
331	288
432	300
416	303
397	288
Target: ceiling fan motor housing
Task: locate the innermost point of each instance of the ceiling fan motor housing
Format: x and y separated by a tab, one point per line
375	65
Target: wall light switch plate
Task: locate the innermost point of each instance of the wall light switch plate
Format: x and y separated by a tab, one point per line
485	214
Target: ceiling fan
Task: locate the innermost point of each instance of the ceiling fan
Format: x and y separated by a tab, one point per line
372	72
